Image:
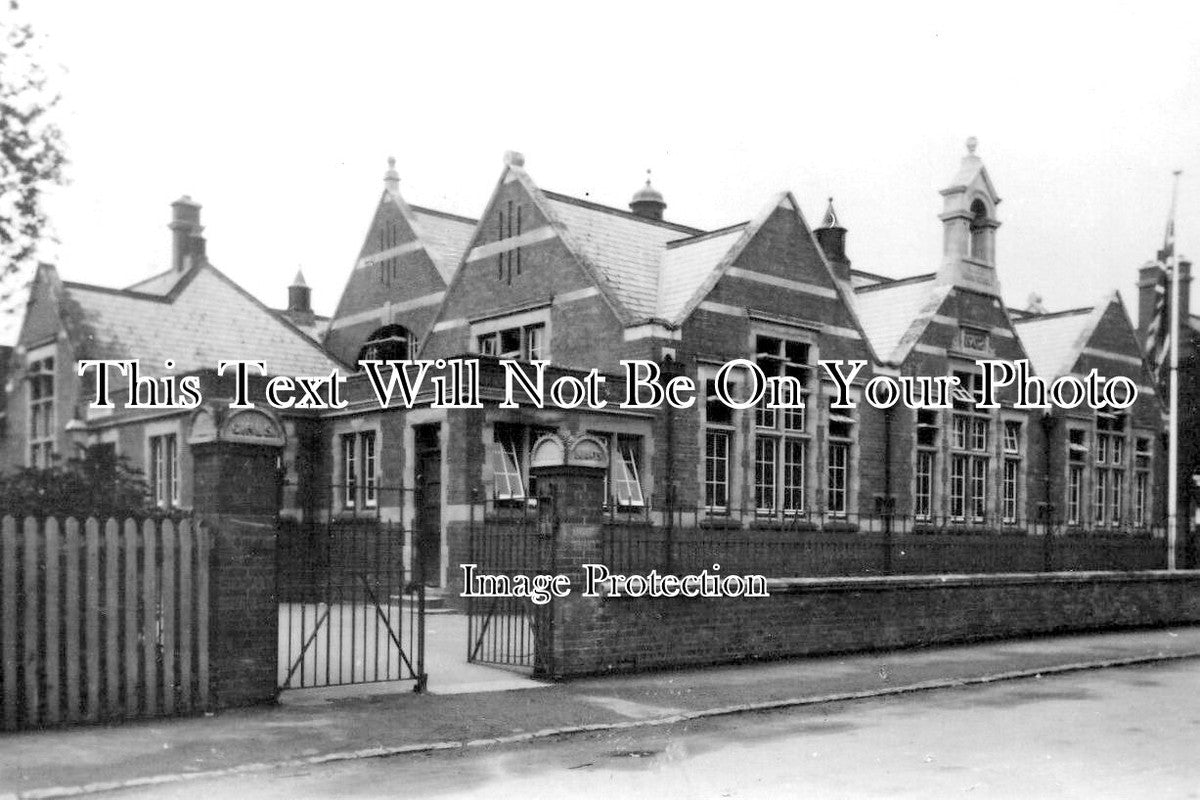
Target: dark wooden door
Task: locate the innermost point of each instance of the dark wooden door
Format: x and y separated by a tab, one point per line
428	505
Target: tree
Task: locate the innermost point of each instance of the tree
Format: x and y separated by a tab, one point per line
97	484
31	150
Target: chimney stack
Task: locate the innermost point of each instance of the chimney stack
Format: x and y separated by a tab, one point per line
187	241
832	238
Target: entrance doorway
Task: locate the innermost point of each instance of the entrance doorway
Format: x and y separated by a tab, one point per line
428	504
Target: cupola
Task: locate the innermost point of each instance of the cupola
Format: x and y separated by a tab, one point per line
969	226
647	201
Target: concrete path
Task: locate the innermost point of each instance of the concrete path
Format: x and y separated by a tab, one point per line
62	762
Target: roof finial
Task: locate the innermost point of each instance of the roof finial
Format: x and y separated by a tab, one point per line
299	279
647	176
972	143
391	178
830	220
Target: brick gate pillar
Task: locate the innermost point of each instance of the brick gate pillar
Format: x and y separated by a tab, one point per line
236	484
572	470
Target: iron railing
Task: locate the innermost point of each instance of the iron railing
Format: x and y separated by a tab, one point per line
830	545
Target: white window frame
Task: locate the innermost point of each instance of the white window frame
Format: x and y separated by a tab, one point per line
40	447
533	330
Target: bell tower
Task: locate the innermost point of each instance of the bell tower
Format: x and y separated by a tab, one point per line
969	227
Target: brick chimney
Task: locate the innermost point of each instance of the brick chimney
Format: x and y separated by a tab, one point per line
187	241
832	238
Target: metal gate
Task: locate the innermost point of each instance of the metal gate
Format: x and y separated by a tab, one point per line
349	611
506	541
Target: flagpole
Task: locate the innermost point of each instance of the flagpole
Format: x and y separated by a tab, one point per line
1173	412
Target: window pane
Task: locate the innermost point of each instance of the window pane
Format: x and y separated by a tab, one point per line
716	469
764	473
794	463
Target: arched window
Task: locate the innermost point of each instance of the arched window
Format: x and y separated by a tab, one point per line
979	231
389	343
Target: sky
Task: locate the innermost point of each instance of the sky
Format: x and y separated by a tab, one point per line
279	119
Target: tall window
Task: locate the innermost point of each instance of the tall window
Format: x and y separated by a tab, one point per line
718	434
969	434
1077	452
781	435
508	225
840	434
41	412
1010	490
979	231
360	470
1141	481
526	343
164	470
1110	468
928	434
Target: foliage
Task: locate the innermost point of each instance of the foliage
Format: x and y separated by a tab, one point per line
31	150
98	484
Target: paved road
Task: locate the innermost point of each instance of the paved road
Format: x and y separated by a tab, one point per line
1122	733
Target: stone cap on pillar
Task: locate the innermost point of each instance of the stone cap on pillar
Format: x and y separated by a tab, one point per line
555	450
216	422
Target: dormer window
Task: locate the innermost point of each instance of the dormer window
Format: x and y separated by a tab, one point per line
980	231
389	343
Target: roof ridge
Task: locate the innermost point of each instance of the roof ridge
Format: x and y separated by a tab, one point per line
130	293
895	282
579	201
444	214
881	278
155	276
1055	314
706	235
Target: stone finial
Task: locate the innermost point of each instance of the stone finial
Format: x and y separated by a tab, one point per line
972	143
512	158
831	219
391	178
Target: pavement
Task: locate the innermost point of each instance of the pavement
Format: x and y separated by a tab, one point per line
69	762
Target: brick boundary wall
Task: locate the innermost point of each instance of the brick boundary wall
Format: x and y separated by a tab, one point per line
820	616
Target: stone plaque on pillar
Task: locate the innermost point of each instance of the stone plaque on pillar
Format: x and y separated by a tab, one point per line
235	460
573	470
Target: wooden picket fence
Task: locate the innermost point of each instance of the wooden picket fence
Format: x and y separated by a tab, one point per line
102	620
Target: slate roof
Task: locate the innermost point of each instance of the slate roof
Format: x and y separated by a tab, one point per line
205	318
892	314
1053	342
445	236
687	263
159	284
626	248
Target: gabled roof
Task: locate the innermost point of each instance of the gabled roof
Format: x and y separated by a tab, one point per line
1054	342
445	236
895	314
205	318
687	263
626	248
